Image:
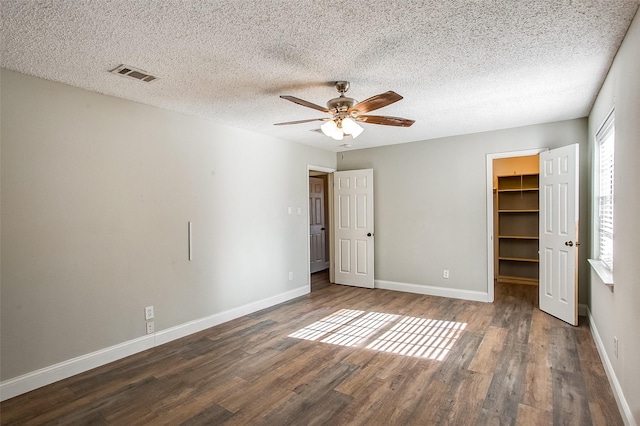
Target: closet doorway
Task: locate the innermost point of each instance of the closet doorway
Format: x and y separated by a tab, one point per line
515	257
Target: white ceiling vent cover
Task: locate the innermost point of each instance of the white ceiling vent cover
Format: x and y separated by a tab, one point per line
134	73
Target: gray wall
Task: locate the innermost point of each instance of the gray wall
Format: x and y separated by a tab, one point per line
618	313
431	202
96	196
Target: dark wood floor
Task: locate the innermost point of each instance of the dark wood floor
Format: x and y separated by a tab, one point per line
320	280
345	355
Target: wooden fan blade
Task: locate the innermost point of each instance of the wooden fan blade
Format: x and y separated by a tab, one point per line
375	102
302	121
385	121
304	103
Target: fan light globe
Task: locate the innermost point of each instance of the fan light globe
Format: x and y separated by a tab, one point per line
329	128
351	127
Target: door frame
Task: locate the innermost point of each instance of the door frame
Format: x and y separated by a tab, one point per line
318	229
490	208
328	219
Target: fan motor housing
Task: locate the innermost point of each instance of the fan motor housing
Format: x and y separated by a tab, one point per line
341	104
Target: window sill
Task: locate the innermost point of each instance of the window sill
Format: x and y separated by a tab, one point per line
603	272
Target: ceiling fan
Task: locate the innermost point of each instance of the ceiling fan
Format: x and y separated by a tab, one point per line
345	113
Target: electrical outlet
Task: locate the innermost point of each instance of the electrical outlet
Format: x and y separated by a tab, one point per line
615	346
148	312
445	274
150	327
290	276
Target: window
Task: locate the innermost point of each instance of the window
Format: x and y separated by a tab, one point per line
604	174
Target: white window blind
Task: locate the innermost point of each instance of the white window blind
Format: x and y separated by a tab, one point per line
605	138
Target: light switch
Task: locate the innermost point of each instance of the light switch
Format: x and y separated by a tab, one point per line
289	210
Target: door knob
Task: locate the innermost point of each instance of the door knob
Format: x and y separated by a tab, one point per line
368	234
322	229
568	243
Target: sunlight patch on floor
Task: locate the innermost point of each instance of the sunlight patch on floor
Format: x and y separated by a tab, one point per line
411	336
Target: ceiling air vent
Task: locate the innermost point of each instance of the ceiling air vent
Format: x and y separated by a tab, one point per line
134	73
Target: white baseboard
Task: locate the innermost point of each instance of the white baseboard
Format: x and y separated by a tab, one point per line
182	330
478	296
53	373
623	405
45	376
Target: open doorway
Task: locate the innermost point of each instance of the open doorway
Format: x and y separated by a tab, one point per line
320	183
319	238
513	222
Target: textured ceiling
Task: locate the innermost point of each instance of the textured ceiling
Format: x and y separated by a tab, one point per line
462	66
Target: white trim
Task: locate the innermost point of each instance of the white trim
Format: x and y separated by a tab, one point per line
429	290
623	405
490	244
45	376
319	169
603	271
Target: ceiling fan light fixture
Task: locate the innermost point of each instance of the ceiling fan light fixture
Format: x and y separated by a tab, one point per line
346	112
351	127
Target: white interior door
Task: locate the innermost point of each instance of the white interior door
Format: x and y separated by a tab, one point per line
353	215
317	226
559	233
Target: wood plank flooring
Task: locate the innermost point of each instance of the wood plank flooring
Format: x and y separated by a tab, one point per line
349	356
